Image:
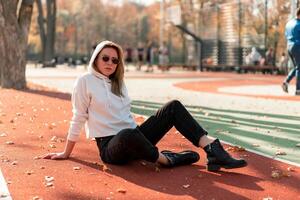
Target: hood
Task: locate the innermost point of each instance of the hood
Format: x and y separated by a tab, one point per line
97	50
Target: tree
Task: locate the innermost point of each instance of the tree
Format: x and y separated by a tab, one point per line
15	19
47	34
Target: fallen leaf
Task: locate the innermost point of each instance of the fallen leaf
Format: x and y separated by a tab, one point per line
276	174
14	163
186	186
3	135
52	146
291	169
267	198
107	169
157	169
61	140
54	139
50	184
36	198
76	168
10	143
286	174
235	148
143	163
49	178
282	153
37	157
121	190
29	172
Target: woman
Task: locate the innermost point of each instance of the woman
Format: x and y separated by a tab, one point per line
100	101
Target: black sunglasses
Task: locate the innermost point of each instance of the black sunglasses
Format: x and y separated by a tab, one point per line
113	60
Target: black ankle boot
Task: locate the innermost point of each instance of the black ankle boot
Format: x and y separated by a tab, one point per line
181	158
217	157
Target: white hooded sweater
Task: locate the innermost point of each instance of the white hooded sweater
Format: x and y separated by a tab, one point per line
94	105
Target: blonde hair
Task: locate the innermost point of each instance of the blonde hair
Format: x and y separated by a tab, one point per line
118	76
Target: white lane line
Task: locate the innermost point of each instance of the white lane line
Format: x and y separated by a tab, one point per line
4	193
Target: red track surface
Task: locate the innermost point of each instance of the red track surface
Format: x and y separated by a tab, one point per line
214	85
31	118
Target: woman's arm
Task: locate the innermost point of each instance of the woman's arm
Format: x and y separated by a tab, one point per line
62	155
80	103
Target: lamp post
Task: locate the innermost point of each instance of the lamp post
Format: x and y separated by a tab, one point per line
161	25
266	24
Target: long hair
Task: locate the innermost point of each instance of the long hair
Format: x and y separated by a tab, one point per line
118	76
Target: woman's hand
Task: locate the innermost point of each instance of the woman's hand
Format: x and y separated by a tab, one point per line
56	156
62	155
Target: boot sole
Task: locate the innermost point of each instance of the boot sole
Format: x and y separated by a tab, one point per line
213	168
192	159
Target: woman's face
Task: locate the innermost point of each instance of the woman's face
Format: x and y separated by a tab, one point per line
107	61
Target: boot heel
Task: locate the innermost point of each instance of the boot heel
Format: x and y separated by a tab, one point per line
213	168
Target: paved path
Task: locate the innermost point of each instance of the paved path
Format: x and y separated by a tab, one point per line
159	87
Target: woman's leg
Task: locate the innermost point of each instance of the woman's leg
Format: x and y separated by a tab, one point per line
172	114
175	114
131	144
127	145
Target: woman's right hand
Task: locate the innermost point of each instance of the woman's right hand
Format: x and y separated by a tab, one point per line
56	156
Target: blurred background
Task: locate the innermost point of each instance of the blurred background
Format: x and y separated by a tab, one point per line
228	29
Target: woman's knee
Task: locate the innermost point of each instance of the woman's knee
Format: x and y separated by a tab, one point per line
175	103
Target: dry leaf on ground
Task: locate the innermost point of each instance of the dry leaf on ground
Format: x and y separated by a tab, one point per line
235	148
276	174
49	179
10	143
282	153
14	163
267	198
3	135
29	172
76	168
121	190
291	169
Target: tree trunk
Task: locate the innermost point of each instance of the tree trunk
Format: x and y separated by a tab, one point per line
40	20
47	34
50	39
14	28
